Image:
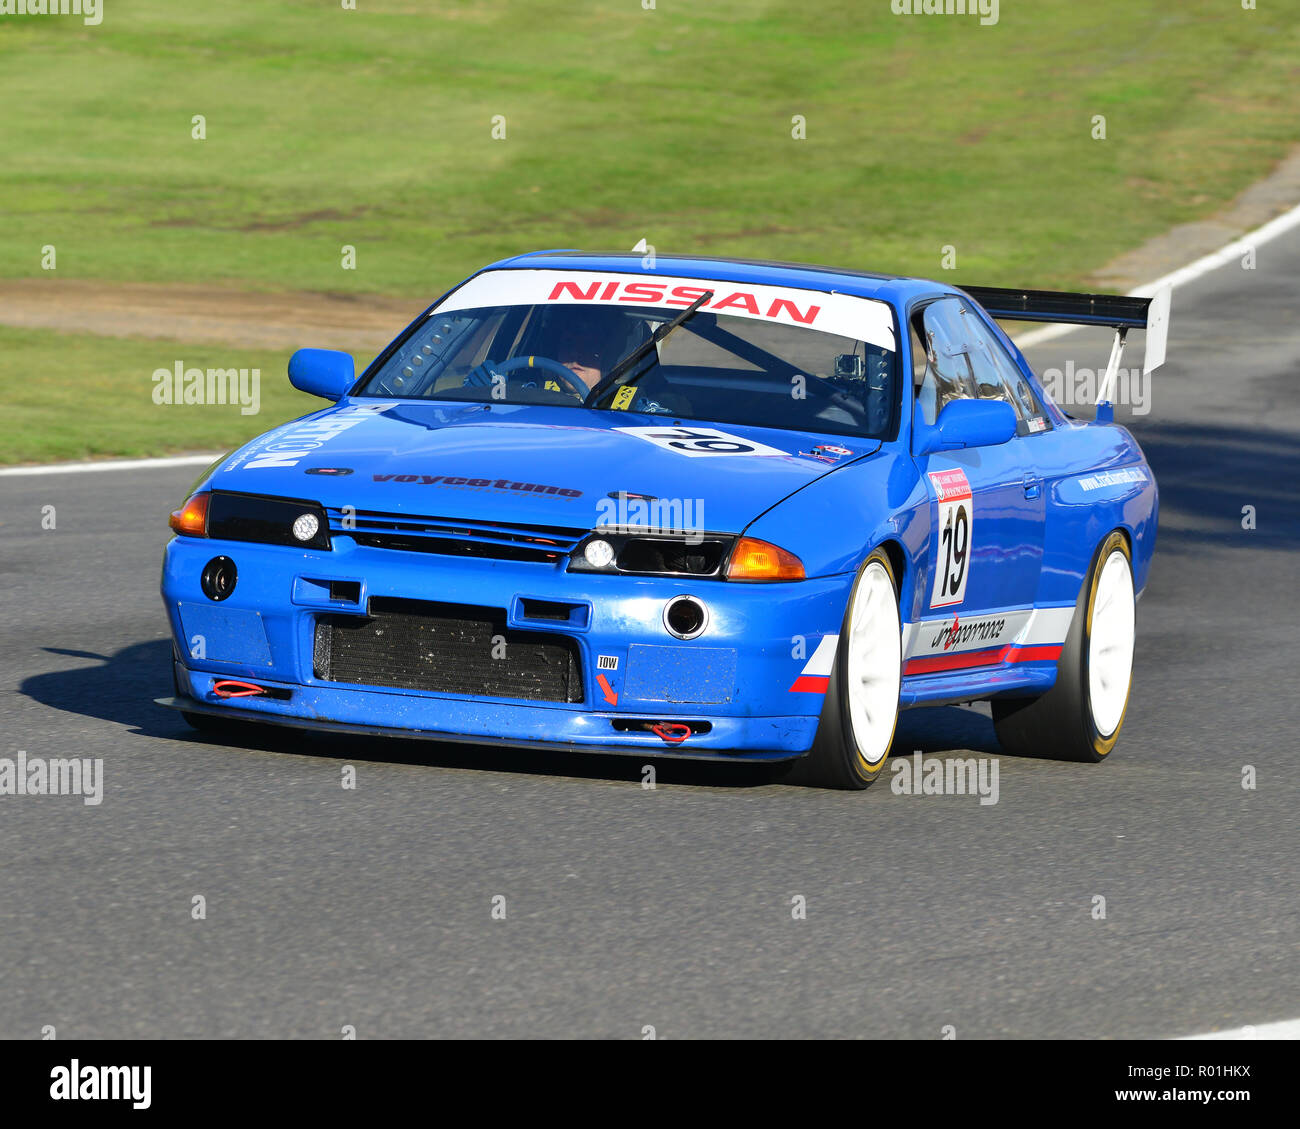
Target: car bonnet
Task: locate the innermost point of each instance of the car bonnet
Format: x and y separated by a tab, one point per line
532	464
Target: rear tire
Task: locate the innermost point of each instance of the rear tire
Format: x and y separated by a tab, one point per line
860	713
1079	719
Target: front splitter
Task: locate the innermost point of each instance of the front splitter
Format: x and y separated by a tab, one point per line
320	725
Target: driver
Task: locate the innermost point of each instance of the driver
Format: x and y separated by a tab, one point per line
585	341
589	342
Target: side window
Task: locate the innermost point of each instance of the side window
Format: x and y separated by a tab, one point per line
454	346
949	374
1000	379
1034	417
918	356
963	360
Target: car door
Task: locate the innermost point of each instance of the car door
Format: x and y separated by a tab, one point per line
986	503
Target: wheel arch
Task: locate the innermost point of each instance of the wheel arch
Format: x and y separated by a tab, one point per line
1093	557
897	561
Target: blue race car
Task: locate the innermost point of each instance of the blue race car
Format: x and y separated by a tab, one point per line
713	509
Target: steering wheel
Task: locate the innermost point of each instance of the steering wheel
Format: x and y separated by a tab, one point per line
554	368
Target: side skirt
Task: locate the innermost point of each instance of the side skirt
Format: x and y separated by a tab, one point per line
1022	679
1003	652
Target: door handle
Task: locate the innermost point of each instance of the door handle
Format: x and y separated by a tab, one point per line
1033	486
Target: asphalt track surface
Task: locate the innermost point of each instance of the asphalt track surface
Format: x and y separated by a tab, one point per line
628	908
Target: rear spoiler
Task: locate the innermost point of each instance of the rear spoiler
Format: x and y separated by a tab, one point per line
1120	312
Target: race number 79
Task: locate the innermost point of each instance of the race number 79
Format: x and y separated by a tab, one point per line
956	528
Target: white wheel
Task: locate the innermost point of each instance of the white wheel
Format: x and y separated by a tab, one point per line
856	726
1110	644
1080	717
873	673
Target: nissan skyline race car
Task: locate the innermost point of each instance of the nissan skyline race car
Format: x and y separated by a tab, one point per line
711	509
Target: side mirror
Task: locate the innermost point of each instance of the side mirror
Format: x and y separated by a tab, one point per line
971	423
322	372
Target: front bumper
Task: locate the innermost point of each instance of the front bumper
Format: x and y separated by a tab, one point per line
734	680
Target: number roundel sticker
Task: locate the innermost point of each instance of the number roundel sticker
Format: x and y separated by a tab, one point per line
956	535
697	442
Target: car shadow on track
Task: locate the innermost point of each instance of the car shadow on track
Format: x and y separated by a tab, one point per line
1207	475
942	729
121	688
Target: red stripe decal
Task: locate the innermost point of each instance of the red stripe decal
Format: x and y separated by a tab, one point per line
983	658
1034	654
811	684
953	662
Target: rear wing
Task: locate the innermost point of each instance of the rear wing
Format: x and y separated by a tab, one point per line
1120	312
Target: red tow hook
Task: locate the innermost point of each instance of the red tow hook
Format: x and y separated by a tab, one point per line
233	688
673	732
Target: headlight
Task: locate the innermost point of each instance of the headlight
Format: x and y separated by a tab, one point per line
306	527
598	553
699	555
253	517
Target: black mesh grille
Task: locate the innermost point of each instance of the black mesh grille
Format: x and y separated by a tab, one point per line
448	648
507	541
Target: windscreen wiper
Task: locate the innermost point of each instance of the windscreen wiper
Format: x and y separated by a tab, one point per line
638	354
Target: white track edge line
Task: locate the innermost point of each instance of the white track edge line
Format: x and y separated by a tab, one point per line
111	464
1279	225
1284	1029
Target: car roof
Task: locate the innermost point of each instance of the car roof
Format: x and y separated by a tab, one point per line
897	289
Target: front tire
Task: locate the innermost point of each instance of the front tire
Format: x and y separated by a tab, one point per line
1079	719
861	708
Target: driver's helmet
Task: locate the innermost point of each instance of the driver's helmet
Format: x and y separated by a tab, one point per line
593	336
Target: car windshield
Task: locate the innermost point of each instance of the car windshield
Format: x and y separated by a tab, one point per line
761	355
